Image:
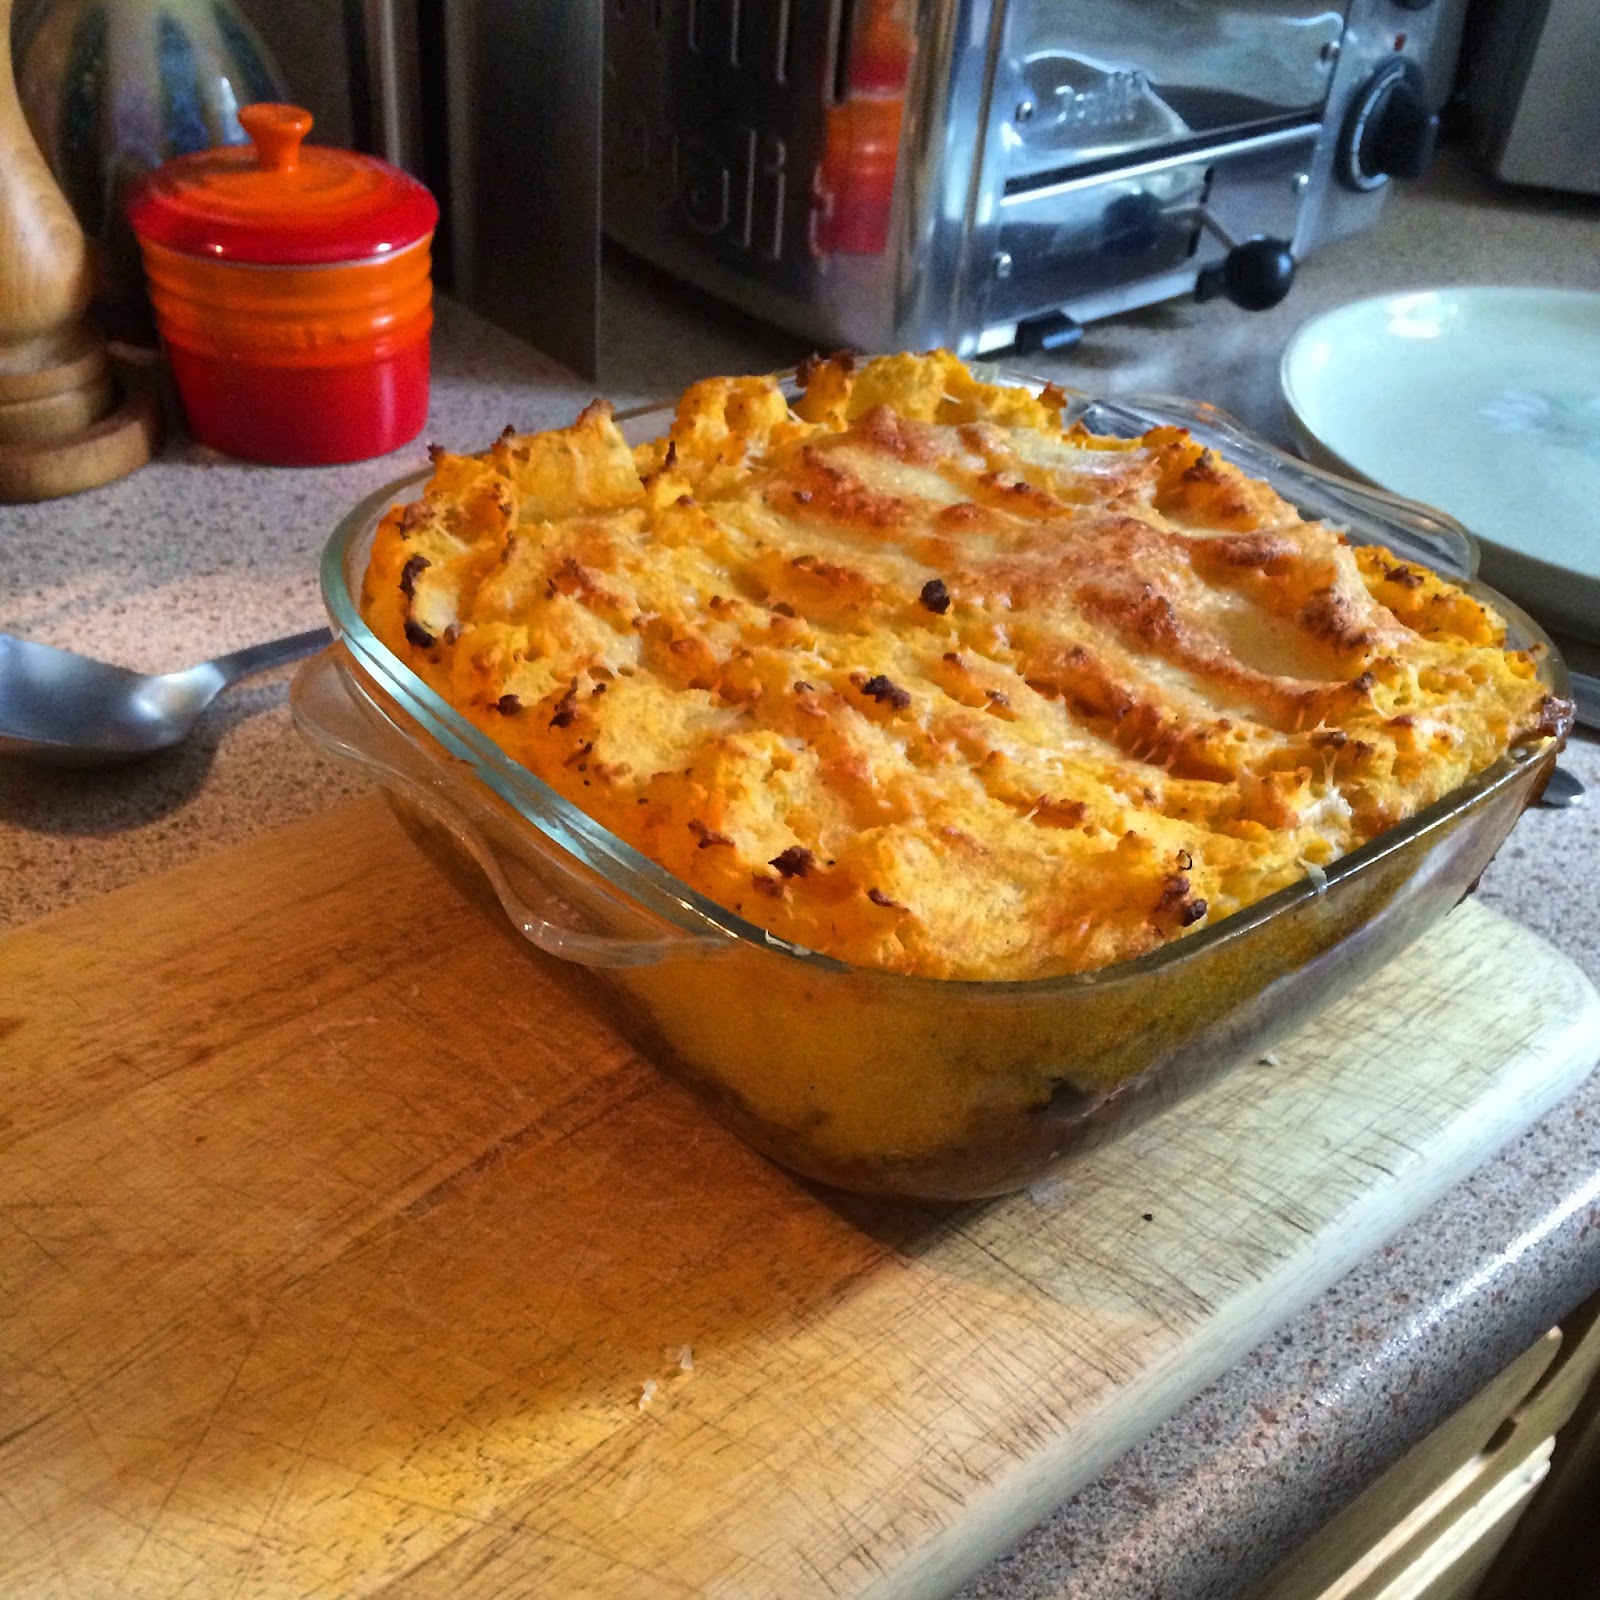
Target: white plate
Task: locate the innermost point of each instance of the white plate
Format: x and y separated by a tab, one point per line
1484	402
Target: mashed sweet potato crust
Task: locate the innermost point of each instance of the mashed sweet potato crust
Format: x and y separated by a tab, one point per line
906	672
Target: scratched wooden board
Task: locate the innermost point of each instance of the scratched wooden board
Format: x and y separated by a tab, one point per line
340	1241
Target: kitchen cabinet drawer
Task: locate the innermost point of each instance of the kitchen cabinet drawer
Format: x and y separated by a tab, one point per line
1560	1520
1432	1527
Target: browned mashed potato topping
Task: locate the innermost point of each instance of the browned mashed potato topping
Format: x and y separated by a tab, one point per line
907	673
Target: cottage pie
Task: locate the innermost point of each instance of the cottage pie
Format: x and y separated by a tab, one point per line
907	672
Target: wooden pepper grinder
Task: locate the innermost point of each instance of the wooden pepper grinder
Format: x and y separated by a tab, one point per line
66	421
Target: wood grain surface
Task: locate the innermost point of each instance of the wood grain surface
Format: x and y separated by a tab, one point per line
348	1251
44	259
65	424
125	436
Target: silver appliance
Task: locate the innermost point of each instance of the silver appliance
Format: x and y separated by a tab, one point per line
908	173
495	105
1529	73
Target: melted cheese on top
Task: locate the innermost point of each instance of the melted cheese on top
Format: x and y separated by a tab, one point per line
910	674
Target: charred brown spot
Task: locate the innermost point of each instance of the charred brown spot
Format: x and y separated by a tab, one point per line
1192	912
571	577
1331	616
1185	861
578	755
414	515
935	597
566	708
963	514
879	898
886	693
768	886
818	568
839	496
1016	496
807	370
1555	717
707	836
1144	615
413	569
1260	550
419	636
802	687
891	434
670	459
998	699
1059	813
795	862
1406	577
508	705
1174	890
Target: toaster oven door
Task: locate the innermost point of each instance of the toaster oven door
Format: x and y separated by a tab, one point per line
1023	156
1111	124
1104	84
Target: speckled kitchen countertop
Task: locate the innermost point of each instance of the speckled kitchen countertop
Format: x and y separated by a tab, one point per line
195	555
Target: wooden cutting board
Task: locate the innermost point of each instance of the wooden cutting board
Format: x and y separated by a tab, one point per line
343	1243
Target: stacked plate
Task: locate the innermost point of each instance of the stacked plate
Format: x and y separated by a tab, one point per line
1484	402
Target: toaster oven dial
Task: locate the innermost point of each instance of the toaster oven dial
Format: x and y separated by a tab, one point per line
1390	132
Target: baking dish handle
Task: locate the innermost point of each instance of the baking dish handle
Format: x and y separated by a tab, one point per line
330	720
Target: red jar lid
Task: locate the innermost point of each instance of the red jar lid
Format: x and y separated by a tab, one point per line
277	202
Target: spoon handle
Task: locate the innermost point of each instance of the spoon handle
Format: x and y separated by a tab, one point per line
259	657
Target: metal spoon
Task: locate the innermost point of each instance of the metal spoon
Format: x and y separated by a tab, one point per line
1563	789
68	710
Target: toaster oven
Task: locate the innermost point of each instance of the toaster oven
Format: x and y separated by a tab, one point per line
909	173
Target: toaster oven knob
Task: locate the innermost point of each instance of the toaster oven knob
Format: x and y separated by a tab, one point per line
1255	275
1391	131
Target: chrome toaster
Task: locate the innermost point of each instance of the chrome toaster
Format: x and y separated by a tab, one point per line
909	173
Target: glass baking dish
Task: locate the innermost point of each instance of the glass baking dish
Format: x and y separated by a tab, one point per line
911	1086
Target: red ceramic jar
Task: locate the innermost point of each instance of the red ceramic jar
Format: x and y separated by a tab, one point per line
293	290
